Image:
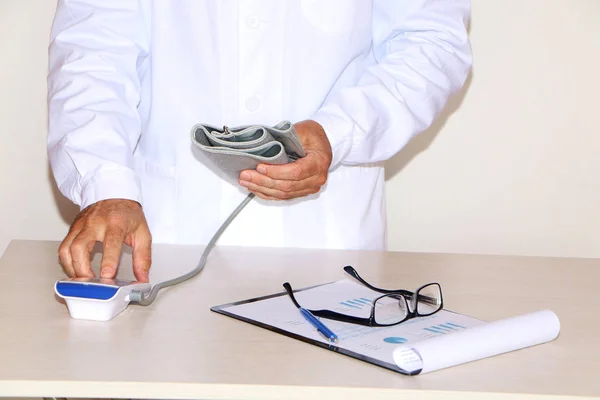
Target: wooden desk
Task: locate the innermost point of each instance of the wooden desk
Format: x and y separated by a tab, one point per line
178	348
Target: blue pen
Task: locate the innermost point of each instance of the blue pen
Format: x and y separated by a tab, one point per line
323	330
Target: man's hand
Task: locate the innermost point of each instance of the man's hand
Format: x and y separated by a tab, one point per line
300	178
112	222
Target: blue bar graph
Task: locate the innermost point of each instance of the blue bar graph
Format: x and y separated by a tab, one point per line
445	328
435	330
359	303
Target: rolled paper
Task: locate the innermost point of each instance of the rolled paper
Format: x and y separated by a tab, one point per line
482	341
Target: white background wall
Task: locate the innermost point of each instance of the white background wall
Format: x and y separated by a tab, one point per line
511	168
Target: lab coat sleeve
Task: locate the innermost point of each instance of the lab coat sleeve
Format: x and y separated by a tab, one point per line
423	57
96	50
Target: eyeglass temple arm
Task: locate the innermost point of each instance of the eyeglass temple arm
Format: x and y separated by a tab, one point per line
355	275
290	292
407	293
340	317
326	313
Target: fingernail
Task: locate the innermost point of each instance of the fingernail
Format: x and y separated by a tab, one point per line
244	183
262	169
245	176
106	273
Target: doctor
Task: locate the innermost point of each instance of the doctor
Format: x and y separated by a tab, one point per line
128	80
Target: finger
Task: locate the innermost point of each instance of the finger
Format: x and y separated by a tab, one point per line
64	252
284	185
271	194
265	182
265	197
295	171
142	255
286	189
111	252
81	248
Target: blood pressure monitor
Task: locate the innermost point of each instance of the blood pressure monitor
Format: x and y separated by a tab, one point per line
97	299
239	147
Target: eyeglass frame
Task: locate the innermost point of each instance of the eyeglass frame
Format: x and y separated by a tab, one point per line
412	312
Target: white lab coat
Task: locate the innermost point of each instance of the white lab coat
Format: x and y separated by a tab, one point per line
129	78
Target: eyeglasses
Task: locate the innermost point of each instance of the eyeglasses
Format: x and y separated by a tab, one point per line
394	307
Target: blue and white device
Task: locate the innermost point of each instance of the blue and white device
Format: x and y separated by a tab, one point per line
97	299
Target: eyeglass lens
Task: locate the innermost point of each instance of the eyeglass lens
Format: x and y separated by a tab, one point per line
429	299
390	309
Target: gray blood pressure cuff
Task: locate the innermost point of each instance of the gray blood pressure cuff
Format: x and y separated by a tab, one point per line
233	150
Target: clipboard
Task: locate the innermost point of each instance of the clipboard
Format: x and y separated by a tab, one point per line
374	345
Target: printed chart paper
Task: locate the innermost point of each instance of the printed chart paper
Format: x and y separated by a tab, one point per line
483	341
419	345
375	345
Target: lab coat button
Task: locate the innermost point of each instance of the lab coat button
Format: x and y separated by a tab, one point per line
252	21
253	104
